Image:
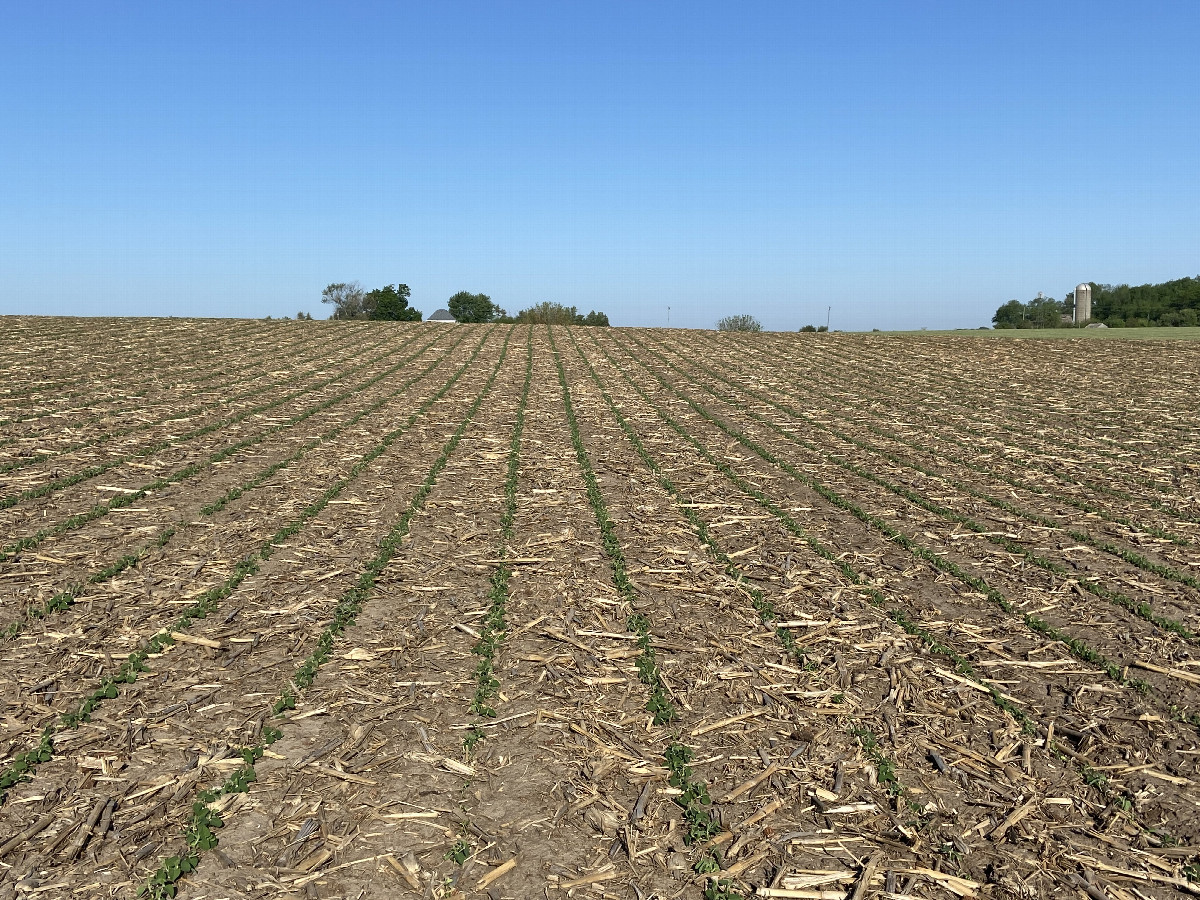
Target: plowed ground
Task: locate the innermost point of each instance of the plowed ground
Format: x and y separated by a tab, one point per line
368	610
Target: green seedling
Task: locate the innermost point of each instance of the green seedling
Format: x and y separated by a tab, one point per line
460	852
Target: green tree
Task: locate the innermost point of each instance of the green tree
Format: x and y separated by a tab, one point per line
594	318
1010	315
468	307
390	304
347	300
1044	312
741	322
548	313
1148	302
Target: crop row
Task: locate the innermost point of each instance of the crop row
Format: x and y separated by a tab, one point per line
1092	585
1078	646
1020	414
26	763
1057	466
67	597
84	358
962	665
206	812
223	398
884	767
830	406
59	483
127	499
127	384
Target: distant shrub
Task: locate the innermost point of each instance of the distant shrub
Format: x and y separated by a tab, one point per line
739	323
557	314
810	328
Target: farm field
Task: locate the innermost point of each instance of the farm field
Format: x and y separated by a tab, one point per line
1087	334
337	609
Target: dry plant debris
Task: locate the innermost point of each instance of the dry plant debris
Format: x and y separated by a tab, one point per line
306	609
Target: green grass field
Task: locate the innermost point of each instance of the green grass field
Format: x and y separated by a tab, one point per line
1135	334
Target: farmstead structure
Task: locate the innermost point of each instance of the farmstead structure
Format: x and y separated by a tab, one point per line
346	609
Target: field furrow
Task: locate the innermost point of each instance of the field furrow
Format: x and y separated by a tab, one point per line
375	610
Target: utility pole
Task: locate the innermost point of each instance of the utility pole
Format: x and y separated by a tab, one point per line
668	317
827	309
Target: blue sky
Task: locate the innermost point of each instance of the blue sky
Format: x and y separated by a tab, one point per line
907	164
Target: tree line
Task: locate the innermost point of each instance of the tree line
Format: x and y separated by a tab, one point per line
1171	303
391	303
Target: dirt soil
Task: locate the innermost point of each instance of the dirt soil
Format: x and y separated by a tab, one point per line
321	609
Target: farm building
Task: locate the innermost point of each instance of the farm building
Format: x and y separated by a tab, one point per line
442	315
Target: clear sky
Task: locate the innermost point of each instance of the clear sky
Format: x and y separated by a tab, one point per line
909	164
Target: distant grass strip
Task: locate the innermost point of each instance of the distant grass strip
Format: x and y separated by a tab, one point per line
25	764
205	818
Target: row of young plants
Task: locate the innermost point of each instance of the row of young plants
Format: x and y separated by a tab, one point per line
1077	646
894	378
1090	776
1054	468
1026	413
56	354
495	623
885	766
24	764
92	471
833	407
960	664
133	387
66	598
1092	585
701	822
123	500
862	583
132	391
177	415
205	819
765	608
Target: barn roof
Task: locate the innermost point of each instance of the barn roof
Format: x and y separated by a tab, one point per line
442	315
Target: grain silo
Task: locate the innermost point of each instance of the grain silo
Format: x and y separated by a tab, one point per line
1083	303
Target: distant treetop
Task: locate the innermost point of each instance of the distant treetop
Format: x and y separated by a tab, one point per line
556	314
468	307
741	322
387	303
1170	303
